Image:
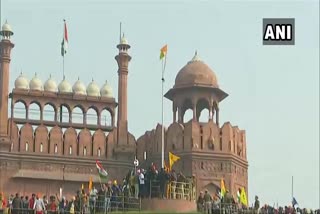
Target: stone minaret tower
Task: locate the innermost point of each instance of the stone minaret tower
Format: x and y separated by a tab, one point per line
123	60
5	50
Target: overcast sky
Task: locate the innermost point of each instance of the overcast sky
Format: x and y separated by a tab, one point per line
274	90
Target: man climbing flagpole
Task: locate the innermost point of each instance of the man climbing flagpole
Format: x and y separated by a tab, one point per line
163	57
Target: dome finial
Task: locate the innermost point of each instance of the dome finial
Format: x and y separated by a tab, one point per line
196	58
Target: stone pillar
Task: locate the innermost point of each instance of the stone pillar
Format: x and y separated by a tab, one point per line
84	118
217	116
180	118
174	113
5	58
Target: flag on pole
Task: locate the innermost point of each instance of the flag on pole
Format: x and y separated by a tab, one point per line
294	201
103	174
243	197
64	43
163	51
90	184
238	195
172	159
223	188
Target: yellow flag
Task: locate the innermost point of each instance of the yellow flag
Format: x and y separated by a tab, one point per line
172	159
163	51
223	188
243	197
82	187
90	184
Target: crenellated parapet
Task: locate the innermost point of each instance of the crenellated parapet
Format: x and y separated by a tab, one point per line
40	140
193	137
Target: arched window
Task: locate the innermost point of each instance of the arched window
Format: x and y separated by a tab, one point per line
55	148
99	152
70	150
41	147
27	146
202	165
84	151
145	155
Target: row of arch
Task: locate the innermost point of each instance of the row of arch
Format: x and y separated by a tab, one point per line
200	110
55	142
49	113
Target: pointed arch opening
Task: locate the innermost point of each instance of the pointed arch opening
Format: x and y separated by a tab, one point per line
203	114
70	150
20	110
187	111
27	146
34	111
99	152
77	115
105	118
92	116
49	112
64	114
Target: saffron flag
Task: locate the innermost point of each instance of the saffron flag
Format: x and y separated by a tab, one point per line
64	43
163	51
172	159
103	174
243	197
223	188
90	184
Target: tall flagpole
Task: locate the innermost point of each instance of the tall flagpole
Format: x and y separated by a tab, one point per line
162	110
0	12
292	189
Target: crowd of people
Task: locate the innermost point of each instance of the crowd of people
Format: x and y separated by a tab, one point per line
206	203
137	184
125	195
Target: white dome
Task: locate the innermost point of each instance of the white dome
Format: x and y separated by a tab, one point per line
64	86
106	90
36	83
6	31
50	85
6	27
21	82
124	41
79	88
93	89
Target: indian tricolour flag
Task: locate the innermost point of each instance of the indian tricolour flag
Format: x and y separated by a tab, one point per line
64	43
103	174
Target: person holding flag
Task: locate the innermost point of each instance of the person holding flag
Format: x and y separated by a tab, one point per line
103	174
